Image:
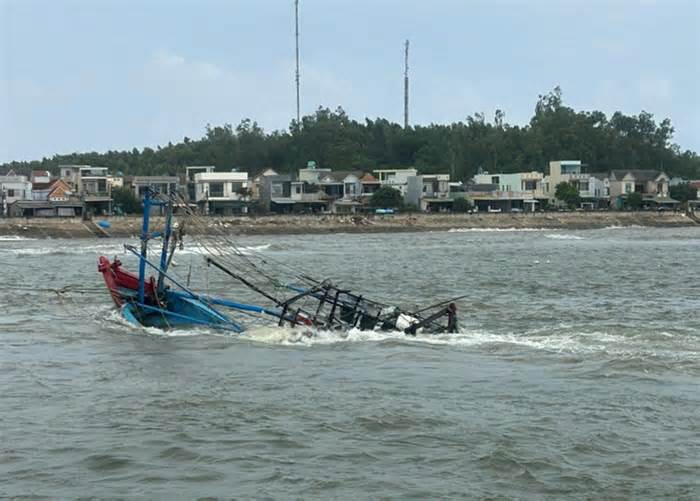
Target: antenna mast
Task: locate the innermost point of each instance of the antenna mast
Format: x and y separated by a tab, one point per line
296	21
405	90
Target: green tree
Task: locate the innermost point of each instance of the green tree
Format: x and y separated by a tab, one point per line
126	201
633	200
568	193
461	205
338	142
683	192
386	197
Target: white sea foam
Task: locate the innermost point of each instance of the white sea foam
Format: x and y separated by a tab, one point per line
576	343
564	236
621	227
14	238
493	230
245	250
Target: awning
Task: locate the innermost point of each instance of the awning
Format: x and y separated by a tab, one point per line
661	200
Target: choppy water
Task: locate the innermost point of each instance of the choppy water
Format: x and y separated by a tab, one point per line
575	375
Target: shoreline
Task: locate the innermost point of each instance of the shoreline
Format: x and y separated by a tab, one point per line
129	226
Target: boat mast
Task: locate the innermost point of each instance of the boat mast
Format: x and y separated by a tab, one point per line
144	246
166	242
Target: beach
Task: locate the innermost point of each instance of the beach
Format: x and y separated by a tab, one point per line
127	226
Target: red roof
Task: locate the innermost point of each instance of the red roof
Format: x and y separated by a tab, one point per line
368	178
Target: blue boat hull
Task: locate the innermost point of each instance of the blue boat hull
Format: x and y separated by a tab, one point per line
179	311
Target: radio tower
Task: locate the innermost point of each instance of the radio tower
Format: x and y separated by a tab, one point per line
405	90
296	21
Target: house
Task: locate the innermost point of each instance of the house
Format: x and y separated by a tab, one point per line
652	185
222	193
40	176
49	199
395	178
13	188
344	190
161	184
516	191
257	181
591	189
116	181
429	192
71	207
190	172
57	190
275	193
368	185
695	204
91	185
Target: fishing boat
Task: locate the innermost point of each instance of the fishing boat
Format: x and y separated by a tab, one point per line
155	297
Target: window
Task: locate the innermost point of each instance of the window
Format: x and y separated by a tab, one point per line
216	189
277	190
629	187
529	185
495	180
583	185
297	189
10	193
659	187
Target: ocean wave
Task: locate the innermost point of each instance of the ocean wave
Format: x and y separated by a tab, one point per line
245	250
652	344
14	238
493	230
621	227
564	236
556	339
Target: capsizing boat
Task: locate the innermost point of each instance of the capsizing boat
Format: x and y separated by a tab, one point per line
291	297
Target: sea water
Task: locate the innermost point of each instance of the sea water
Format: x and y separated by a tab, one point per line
575	374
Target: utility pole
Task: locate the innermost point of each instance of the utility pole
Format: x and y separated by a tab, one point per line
405	90
296	21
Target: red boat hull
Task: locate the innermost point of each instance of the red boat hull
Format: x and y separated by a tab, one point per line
122	284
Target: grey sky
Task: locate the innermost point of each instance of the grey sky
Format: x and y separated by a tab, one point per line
83	75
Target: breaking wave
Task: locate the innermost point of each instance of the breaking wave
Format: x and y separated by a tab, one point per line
564	236
493	230
574	343
658	346
14	238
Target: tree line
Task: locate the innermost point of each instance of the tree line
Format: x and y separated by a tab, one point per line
333	140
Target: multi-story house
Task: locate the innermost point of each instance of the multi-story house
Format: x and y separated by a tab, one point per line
516	191
652	185
190	172
12	189
92	185
222	193
395	178
591	188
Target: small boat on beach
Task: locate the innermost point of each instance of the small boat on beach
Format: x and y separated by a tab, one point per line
290	297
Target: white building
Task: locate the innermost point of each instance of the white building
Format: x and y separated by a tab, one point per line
395	178
12	189
222	193
593	189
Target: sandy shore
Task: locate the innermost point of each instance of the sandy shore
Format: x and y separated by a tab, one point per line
296	224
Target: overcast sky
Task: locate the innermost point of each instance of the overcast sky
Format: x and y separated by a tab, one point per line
83	75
